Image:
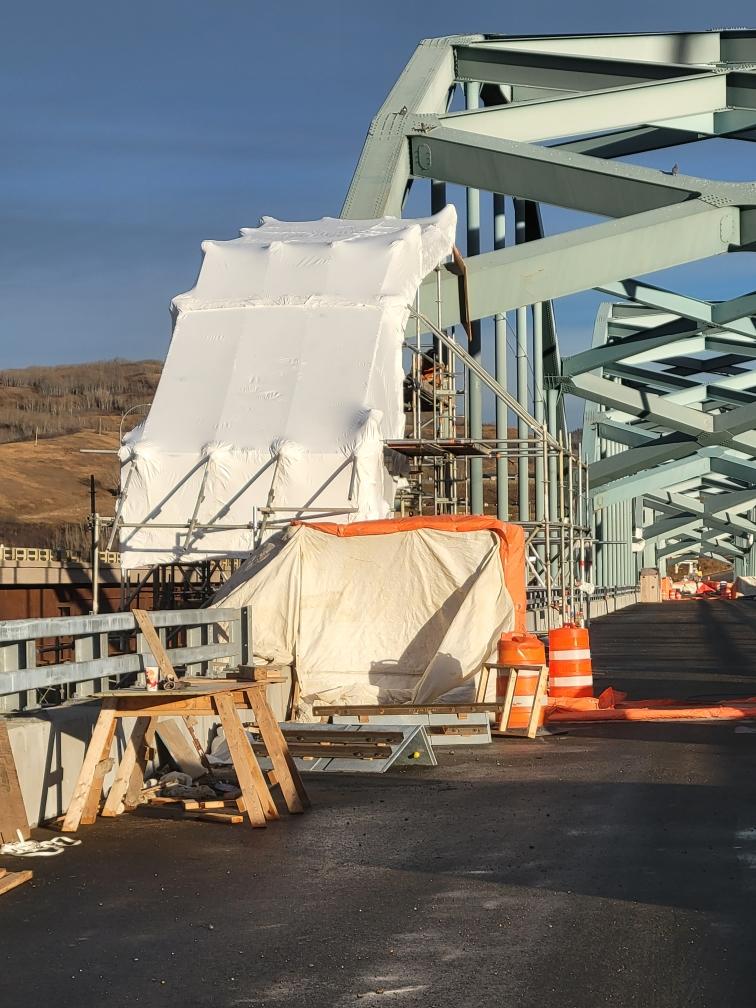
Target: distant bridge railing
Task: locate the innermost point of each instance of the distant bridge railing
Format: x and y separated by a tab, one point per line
601	602
48	555
109	649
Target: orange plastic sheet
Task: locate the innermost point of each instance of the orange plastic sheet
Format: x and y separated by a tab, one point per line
511	544
613	705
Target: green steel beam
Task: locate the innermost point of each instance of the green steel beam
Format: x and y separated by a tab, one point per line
645	406
382	176
739	468
701	546
624	434
732	501
678	304
652	47
573	181
589	257
643	472
737	421
608	109
674	338
722	516
613	96
667	385
623	143
723	312
563	72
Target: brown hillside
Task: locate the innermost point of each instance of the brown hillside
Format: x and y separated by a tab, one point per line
46	416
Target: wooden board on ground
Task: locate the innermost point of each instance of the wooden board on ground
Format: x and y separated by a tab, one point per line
180	747
9	880
222	817
12	810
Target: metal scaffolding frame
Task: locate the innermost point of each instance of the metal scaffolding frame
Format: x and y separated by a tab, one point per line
669	436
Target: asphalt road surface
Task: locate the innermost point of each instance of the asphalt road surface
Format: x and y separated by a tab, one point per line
611	865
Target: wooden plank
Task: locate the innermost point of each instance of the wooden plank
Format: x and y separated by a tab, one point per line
328	750
286	770
12	879
191	723
194	804
375	736
520	666
130	759
181	749
296	692
12	809
154	644
224	817
257	798
92	804
88	781
485	675
543	679
365	710
508	699
136	780
192	687
255	673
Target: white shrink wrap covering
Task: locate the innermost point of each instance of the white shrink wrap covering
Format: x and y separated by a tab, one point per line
283	378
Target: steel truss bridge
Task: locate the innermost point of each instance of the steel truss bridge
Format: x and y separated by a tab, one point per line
670	416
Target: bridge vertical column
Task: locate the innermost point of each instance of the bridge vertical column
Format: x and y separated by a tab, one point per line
539	414
475	393
522	379
500	365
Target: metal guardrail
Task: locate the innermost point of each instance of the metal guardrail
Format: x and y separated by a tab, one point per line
102	648
602	601
45	554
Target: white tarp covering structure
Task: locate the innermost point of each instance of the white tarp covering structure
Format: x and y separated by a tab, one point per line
383	618
283	378
745	586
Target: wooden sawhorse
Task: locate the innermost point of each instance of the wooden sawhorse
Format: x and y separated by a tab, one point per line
512	670
223	698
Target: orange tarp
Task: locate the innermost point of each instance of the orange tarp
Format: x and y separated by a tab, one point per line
613	705
511	544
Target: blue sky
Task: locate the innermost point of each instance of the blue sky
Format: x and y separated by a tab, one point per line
131	132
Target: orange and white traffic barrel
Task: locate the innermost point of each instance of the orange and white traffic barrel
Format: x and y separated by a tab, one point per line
570	670
515	650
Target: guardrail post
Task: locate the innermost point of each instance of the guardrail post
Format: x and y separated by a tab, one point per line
11	661
245	621
194	639
87	648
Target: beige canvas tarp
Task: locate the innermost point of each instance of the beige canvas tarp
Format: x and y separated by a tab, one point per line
407	616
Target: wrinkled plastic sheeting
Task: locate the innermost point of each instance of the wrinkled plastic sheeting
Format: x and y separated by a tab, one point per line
283	378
